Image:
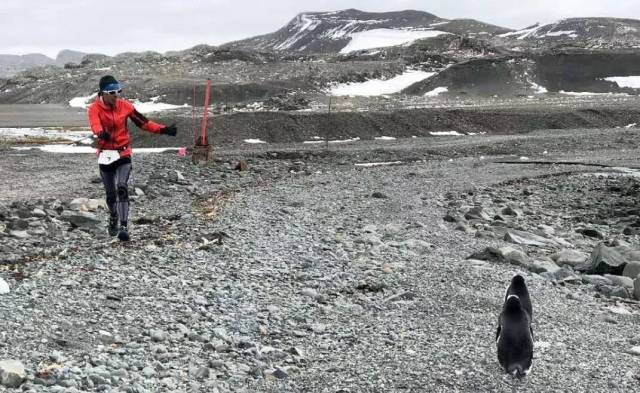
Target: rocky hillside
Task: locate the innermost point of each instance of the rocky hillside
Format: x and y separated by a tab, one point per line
13	64
297	66
331	32
587	33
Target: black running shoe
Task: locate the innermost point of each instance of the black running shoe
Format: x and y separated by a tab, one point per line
113	226
123	234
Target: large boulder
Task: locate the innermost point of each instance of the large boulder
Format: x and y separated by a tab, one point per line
620	281
636	288
526	238
87	205
80	218
610	260
476	213
570	257
12	373
632	270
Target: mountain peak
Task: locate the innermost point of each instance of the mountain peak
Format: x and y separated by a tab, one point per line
334	31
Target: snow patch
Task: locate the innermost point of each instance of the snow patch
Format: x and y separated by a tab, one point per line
304	24
376	87
153	106
82	102
378	38
142	107
70	149
570	33
345	140
538	89
25	133
625	81
385	138
435	92
586	93
372	164
254	141
445	133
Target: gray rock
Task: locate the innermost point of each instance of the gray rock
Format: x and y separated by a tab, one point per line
596	279
158	335
80	218
636	288
564	274
222	334
148	372
526	238
621	292
105	337
476	213
21	235
39	213
546	229
309	292
201	373
569	257
632	269
276	373
453	216
541	266
590	232
392	229
634	351
370	238
512	211
607	260
461	226
12	373
78	204
513	256
379	195
620	281
93	205
370	228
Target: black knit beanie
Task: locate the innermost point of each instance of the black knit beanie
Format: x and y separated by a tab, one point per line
106	81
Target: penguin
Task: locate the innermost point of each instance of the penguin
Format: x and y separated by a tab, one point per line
519	288
514	336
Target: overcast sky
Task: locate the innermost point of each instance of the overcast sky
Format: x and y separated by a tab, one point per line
113	26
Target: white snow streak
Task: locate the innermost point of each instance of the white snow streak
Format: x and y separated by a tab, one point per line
435	92
625	81
376	87
378	38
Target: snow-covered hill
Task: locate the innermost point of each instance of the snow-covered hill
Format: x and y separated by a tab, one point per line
586	33
351	30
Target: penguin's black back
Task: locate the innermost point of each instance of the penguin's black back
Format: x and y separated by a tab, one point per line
519	288
515	341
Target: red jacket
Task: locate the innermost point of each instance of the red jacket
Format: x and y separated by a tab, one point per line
114	121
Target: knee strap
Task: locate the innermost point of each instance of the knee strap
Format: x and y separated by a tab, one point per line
123	192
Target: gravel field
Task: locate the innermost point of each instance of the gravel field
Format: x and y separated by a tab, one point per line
307	273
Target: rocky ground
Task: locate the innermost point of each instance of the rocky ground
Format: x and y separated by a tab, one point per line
307	273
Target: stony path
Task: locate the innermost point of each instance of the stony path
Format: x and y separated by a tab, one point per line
333	279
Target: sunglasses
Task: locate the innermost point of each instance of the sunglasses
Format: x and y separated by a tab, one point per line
113	92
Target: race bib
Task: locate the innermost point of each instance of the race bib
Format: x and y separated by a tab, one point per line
107	157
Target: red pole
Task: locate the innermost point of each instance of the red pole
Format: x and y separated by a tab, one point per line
203	131
193	112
